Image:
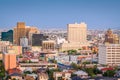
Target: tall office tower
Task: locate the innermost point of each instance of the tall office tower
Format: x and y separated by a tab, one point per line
77	32
111	38
109	54
31	31
9	60
23	31
7	36
37	39
19	32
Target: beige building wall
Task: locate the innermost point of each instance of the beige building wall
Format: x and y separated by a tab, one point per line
14	49
9	61
48	45
109	54
77	32
75	46
3	46
77	37
22	30
19	31
32	30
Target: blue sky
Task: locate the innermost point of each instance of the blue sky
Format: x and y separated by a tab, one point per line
44	14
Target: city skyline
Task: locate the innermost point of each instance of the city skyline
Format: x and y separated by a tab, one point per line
46	14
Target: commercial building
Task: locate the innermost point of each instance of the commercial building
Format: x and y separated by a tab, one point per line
3	46
23	31
24	42
111	38
19	32
77	37
77	32
7	36
37	39
109	54
48	45
38	65
43	76
32	31
62	75
9	60
14	49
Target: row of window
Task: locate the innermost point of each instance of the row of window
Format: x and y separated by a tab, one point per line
37	66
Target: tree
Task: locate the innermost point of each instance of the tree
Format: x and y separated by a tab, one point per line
74	66
59	78
109	73
96	70
90	72
14	79
27	72
71	52
2	70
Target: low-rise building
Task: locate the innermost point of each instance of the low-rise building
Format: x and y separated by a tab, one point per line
43	76
48	45
62	75
23	66
81	74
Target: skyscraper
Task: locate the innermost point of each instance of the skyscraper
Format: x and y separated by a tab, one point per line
23	31
77	32
19	32
77	37
7	36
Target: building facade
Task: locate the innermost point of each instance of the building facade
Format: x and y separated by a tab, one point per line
77	32
77	37
37	39
48	45
9	61
21	30
111	38
24	42
7	36
3	46
109	54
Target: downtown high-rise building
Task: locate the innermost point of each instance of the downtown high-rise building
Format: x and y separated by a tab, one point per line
77	32
77	37
21	30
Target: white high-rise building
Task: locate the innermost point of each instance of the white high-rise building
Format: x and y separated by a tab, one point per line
109	54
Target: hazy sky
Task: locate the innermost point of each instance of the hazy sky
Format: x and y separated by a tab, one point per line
97	14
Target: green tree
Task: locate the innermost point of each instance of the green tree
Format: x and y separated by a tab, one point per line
96	70
109	73
74	66
90	72
27	72
14	79
71	52
2	70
